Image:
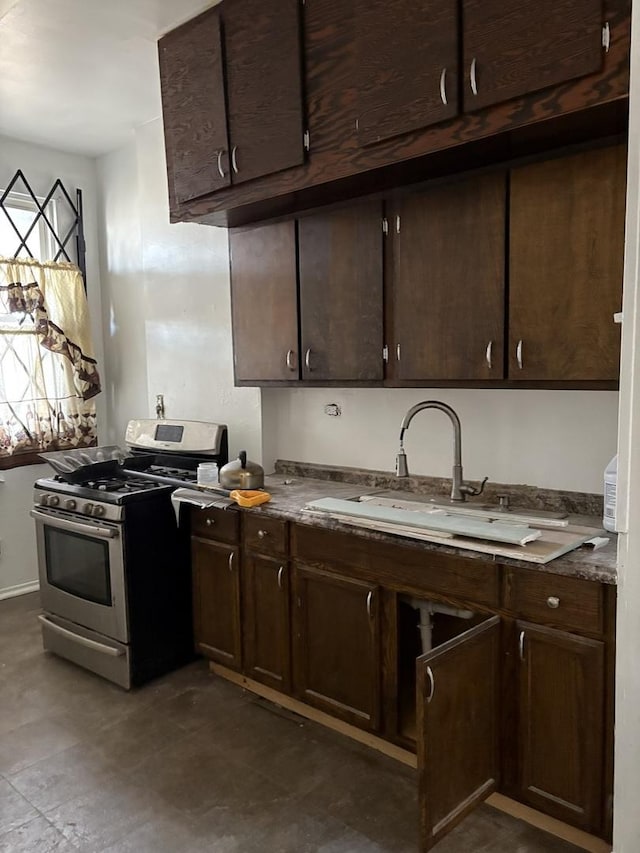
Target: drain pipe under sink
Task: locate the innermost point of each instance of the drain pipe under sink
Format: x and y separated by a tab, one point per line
426	609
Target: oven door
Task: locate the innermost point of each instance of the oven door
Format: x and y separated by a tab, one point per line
81	567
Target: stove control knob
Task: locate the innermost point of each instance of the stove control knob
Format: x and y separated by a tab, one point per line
98	510
54	500
44	499
70	504
87	508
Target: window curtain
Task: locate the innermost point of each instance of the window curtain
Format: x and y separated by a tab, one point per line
48	373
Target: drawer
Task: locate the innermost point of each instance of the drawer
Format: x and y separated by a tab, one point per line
223	525
265	535
555	600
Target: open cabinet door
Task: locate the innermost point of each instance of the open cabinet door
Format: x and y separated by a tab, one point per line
457	728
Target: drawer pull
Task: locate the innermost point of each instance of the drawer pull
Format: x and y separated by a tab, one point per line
280	573
209	522
521	644
432	684
553	602
262	534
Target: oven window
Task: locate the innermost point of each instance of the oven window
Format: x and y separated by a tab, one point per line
78	564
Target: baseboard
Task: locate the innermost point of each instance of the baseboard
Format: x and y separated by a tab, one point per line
19	589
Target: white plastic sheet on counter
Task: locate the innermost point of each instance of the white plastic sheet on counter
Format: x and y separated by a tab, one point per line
197	498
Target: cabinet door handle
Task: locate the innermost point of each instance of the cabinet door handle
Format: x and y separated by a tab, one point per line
209	522
307	359
488	355
443	86
369	600
553	602
290	364
472	76
220	169
262	534
519	354
521	645
280	573
234	162
231	561
432	684
397	352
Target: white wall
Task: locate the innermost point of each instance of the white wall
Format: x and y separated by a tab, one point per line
166	303
552	439
41	166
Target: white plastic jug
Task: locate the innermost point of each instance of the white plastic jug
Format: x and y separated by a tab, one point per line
610	488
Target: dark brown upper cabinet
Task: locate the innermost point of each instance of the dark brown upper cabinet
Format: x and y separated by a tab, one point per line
264	303
193	107
566	265
231	85
511	48
458	723
446	277
407	66
341	294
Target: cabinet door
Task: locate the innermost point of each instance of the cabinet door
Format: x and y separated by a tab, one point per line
216	601
407	61
341	294
337	645
266	621
193	107
264	302
447	271
566	256
508	51
264	86
458	728
560	721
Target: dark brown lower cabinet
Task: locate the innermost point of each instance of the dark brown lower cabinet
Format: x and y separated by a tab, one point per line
336	645
458	724
266	621
216	601
561	724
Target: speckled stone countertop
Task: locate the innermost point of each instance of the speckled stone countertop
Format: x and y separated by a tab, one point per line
290	494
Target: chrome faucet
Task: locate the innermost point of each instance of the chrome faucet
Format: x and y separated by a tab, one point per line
459	489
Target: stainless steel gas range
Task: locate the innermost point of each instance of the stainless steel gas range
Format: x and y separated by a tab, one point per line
114	567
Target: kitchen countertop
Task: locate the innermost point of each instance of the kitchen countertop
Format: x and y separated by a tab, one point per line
289	495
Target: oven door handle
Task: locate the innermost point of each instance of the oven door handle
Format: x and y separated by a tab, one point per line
74	526
83	641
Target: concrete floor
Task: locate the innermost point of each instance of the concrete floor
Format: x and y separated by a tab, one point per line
192	763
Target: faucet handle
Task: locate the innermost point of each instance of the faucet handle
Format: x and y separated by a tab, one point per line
472	491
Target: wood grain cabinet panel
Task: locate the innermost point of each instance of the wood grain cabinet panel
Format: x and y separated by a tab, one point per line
341	294
336	645
266	626
264	86
447	281
566	258
264	302
561	728
194	107
510	49
407	66
458	721
216	601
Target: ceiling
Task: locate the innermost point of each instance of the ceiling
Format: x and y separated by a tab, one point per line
79	75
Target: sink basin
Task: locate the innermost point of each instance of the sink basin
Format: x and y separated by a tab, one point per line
407	500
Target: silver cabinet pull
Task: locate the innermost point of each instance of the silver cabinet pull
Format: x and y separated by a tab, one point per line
519	354
398	223
307	359
472	76
432	684
234	162
209	522
606	37
290	364
443	86
280	573
220	169
231	561
488	355
369	600
521	645
397	352
262	534
553	602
